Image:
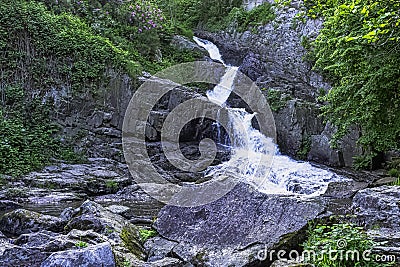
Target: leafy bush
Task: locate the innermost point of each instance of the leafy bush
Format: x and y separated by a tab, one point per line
28	137
243	20
192	14
359	49
335	238
394	173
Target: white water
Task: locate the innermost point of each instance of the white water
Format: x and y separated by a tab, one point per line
254	157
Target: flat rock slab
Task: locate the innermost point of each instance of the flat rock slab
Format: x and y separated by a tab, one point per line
234	225
378	207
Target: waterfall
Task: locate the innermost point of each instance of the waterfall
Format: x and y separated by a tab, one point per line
255	157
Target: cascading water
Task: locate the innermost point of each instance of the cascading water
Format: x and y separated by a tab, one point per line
252	151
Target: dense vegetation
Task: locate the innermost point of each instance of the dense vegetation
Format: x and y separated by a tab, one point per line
339	245
68	45
215	15
359	49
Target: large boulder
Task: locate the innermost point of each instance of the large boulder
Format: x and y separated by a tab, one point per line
92	256
22	221
12	255
378	207
234	229
379	210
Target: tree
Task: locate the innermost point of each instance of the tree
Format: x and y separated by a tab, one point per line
359	48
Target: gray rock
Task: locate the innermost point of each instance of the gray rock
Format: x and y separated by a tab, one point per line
93	216
165	262
183	43
45	241
71	182
93	256
231	230
158	248
295	123
118	209
12	255
113	227
344	189
322	152
385	181
378	207
387	236
68	213
22	221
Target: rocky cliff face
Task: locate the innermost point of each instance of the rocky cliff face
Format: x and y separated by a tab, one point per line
273	55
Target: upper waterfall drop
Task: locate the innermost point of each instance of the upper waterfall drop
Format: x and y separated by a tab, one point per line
255	158
211	48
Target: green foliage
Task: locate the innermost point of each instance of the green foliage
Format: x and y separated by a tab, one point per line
202	14
359	48
304	147
112	185
187	15
397	182
3	180
52	49
394	173
345	237
26	141
126	263
363	162
28	137
243	20
276	99
146	234
68	44
81	244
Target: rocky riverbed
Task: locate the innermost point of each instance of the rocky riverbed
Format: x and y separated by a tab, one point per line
93	214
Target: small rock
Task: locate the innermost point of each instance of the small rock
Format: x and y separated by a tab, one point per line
68	213
385	181
158	248
117	209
